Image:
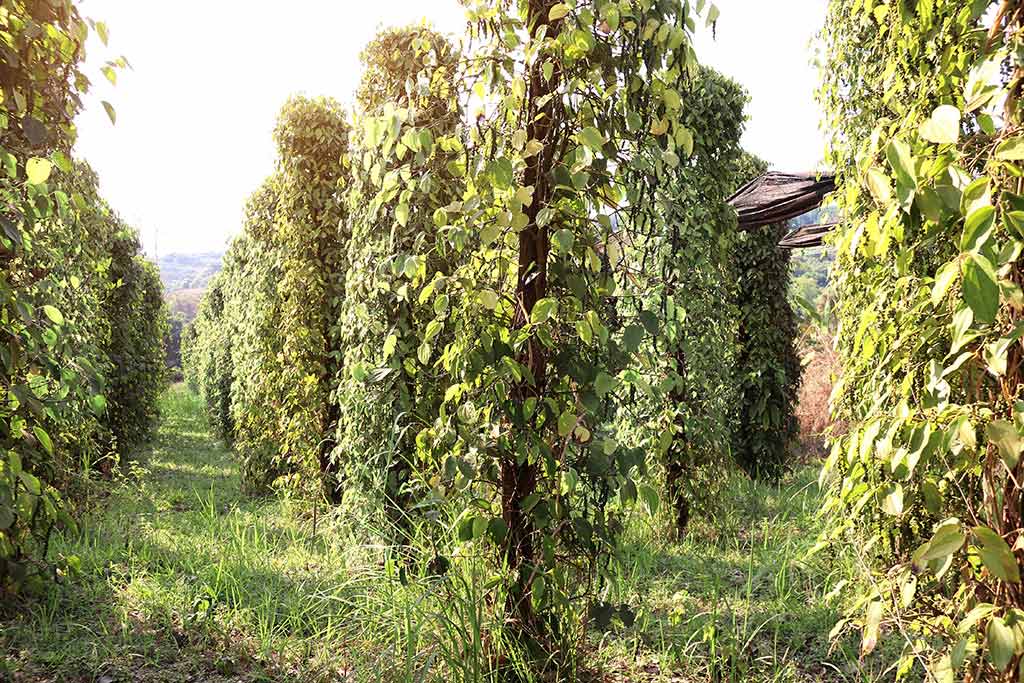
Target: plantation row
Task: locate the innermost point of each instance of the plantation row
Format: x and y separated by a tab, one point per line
503	333
506	332
82	319
503	305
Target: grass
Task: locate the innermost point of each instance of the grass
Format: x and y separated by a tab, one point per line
185	579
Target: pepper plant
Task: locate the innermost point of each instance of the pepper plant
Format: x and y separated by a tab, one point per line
924	103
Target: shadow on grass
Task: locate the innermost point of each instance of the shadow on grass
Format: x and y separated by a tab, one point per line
738	598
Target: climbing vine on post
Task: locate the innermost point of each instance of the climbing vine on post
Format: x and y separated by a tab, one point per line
924	102
694	252
573	100
767	366
312	140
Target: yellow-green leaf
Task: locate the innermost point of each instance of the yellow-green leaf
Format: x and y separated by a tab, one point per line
878	183
54	314
38	170
1007	439
1001	643
996	555
943	127
1011	150
558	11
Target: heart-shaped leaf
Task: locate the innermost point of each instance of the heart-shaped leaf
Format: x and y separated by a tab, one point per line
943	126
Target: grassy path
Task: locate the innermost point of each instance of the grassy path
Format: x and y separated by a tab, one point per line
185	579
182	576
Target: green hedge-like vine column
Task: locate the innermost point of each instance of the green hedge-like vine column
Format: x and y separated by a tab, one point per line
696	263
209	366
581	123
312	141
768	368
69	383
253	315
924	103
387	396
138	324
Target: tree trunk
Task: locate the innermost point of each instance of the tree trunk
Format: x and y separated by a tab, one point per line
519	479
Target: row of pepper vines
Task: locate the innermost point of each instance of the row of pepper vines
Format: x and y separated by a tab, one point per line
487	306
81	314
923	105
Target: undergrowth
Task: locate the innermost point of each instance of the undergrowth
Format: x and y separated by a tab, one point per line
184	578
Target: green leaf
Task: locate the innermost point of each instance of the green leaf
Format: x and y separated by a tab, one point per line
480	525
38	170
488	298
564	239
672	100
566	423
1011	150
1001	643
929	203
879	185
570	479
996	555
981	287
684	139
1007	439
1016	221
501	173
103	32
557	12
545	216
976	195
592	138
902	162
548	70
633	337
943	279
423	353
111	114
98	404
434	328
943	127
497	530
892	500
585	331
543	310
465	528
948	539
43	438
713	14
978	228
872	621
53	314
649	495
402	214
31	483
604	384
982	83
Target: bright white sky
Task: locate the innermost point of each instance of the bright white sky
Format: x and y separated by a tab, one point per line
196	111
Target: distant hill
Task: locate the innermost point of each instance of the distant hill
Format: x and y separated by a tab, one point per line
185	302
188	271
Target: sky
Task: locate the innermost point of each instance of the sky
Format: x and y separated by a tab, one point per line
196	110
